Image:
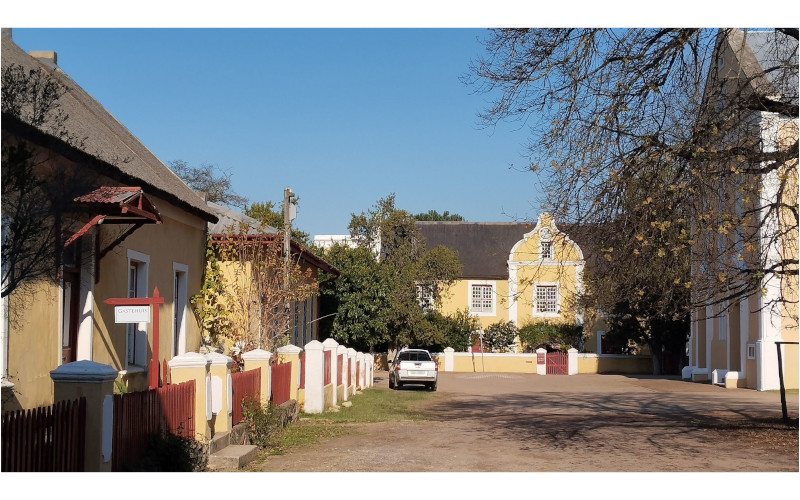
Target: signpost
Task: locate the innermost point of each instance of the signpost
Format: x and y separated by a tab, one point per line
137	310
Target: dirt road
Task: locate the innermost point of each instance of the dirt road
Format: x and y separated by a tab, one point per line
588	423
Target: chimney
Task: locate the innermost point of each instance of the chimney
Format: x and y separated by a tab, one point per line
46	57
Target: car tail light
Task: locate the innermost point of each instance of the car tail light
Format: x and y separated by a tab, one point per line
437	366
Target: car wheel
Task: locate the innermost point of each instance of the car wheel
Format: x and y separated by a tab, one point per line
398	385
391	384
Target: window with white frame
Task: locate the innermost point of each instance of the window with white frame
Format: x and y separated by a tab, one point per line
482	299
546	244
425	297
136	346
545	299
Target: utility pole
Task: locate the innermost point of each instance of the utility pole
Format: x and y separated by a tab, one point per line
289	214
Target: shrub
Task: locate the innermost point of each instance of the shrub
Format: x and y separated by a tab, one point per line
450	331
263	422
498	336
551	336
170	453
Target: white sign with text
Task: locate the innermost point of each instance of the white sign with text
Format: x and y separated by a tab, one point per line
132	314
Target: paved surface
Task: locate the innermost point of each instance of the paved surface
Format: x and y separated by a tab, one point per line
516	422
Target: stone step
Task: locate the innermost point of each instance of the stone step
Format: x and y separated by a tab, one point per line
232	457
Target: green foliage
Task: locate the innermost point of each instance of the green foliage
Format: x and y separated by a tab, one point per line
450	331
637	324
209	304
550	335
263	424
170	453
433	215
266	213
498	336
375	298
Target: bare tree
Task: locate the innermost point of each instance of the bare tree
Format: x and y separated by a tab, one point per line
644	139
210	180
37	192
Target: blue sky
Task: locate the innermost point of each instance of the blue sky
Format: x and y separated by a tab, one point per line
343	116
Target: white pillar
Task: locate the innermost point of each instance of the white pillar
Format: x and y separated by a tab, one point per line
360	366
260	359
572	361
221	391
342	351
332	346
541	361
449	359
315	379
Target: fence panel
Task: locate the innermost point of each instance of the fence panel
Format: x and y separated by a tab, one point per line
245	384
281	382
47	439
140	415
326	368
339	366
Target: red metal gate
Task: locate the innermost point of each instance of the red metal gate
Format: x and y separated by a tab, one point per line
281	382
557	363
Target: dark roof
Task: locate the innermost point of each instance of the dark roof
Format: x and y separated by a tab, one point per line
230	218
483	247
125	158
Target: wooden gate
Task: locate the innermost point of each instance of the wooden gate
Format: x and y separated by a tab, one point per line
281	382
245	384
47	439
557	363
140	415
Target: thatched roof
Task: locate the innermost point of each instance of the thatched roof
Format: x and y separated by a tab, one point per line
119	154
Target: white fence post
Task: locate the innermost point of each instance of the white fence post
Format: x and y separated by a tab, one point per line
332	346
449	359
572	361
541	361
342	351
315	381
351	356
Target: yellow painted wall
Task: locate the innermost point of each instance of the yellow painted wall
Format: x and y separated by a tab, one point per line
614	364
35	340
458	297
34	346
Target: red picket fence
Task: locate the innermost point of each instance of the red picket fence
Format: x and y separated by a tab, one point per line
139	415
245	384
281	382
358	373
47	439
326	368
303	370
339	365
349	374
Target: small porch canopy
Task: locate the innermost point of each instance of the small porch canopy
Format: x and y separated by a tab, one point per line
116	205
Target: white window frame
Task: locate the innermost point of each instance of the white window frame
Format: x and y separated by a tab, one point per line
425	298
180	307
482	311
547	314
139	331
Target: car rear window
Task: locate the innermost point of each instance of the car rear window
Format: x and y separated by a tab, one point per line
414	356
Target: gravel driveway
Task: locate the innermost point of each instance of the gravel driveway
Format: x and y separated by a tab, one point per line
589	423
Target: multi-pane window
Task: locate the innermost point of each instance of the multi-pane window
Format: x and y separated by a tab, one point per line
425	297
482	299
546	298
547	250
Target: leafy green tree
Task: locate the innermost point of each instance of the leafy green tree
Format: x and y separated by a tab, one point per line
433	215
376	297
453	330
266	213
498	336
550	335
